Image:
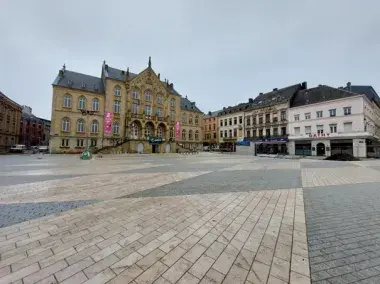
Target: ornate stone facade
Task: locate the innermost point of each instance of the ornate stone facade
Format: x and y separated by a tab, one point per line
10	118
136	111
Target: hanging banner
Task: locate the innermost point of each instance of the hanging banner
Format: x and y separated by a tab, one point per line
108	123
177	131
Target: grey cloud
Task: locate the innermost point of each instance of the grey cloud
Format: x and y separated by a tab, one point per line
217	52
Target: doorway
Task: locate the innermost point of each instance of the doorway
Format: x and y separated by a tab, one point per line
140	148
167	148
155	149
321	151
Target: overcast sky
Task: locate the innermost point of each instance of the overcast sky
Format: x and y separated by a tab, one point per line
217	52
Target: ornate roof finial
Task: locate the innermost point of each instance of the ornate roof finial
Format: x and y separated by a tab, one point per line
127	71
64	67
150	62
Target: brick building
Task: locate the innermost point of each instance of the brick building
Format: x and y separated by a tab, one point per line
34	131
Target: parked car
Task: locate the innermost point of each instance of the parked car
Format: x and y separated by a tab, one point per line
43	149
18	148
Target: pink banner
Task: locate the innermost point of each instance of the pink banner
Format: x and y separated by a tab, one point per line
177	131
108	123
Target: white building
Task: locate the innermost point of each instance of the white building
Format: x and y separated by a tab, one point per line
324	121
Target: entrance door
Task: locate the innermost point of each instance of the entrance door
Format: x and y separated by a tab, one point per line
321	151
155	148
167	148
140	148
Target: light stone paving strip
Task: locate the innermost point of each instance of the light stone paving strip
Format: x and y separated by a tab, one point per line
250	237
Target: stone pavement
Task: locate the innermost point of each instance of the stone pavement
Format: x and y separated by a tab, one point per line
207	218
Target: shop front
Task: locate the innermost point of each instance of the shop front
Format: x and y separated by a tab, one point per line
272	145
228	145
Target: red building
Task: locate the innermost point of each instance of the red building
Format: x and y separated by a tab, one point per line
34	131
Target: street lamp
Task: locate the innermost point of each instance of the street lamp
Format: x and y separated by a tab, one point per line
86	155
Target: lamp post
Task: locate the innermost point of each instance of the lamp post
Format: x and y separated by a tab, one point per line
86	155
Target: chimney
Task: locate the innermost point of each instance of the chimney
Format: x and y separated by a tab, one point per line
158	75
106	67
275	89
349	86
171	86
250	100
304	85
209	113
261	94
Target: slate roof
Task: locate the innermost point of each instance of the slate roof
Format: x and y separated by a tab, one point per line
232	109
319	94
33	118
368	91
212	114
186	104
120	75
79	81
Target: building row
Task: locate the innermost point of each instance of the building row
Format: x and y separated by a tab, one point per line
135	112
298	120
19	126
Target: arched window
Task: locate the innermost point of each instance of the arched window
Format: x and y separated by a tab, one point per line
95	104
135	94
148	130
196	120
117	91
148	96
160	131
190	119
184	118
172	102
190	134
159	99
67	100
65	124
116	106
80	125
196	135
82	103
95	126
183	134
115	127
171	132
134	131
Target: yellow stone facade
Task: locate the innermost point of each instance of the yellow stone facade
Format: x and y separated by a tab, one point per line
211	129
10	119
191	126
141	106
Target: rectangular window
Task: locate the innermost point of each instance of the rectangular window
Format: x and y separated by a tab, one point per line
283	115
333	128
319	114
296	117
267	118
159	99
235	120
307	115
240	119
225	122
320	129
275	131
260	133
135	108
283	131
80	142
116	106
260	120
148	110
172	116
148	96
221	123
94	142
347	110
332	112
297	131
225	133
307	130
65	143
267	132
214	135
230	133
159	112
254	120
275	119
347	126
248	121
235	132
221	134
248	133
230	121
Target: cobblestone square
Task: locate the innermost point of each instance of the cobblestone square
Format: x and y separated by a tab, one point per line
206	218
